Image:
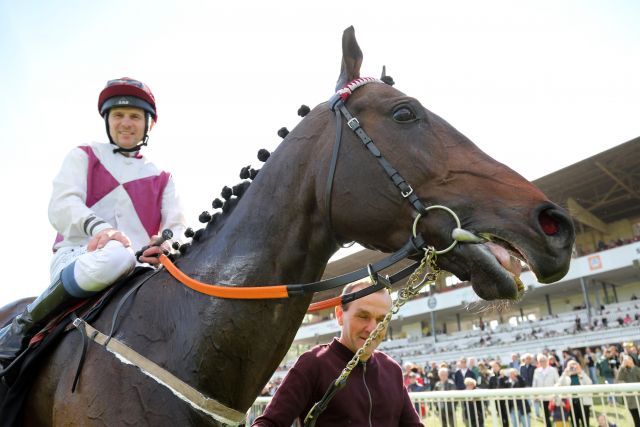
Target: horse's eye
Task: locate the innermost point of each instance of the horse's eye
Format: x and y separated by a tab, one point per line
403	115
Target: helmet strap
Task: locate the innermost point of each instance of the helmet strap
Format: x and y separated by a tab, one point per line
132	149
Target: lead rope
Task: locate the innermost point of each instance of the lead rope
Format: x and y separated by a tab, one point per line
417	281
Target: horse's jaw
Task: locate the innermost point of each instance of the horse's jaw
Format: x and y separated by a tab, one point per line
493	268
489	278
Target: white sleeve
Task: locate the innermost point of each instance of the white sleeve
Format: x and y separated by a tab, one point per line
172	214
68	212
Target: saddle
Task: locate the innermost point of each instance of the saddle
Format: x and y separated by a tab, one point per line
16	379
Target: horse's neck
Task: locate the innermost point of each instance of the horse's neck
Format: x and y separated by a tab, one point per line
276	235
257	246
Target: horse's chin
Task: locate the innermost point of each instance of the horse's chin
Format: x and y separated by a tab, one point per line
480	266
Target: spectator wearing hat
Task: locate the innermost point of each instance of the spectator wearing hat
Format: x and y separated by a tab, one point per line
473	408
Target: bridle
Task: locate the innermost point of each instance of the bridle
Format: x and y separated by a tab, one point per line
337	105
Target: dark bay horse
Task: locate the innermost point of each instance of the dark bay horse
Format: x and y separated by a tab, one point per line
281	233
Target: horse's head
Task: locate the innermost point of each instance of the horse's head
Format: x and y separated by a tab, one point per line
444	167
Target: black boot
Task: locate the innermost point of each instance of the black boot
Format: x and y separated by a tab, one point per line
15	337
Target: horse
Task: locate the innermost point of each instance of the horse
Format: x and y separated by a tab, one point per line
283	231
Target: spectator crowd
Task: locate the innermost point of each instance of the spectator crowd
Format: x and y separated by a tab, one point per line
617	363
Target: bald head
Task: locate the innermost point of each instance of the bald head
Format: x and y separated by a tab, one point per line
359	285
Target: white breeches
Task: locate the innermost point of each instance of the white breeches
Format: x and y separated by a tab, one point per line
91	272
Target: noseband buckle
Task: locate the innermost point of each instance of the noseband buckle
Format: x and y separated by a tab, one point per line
407	193
353	123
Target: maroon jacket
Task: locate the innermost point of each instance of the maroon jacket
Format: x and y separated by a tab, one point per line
374	395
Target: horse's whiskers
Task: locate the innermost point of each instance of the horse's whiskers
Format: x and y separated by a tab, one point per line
482	306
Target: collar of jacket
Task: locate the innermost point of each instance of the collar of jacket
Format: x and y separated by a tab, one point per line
345	354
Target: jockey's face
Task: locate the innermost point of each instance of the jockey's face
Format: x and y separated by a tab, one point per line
126	126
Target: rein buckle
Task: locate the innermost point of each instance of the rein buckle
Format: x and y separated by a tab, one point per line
376	278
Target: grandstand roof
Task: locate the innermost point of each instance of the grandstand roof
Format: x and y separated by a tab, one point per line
606	185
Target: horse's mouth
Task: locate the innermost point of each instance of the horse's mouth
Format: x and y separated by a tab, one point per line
493	267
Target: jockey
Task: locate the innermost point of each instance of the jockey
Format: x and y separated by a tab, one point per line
107	201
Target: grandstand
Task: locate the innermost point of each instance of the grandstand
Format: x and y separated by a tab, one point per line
595	304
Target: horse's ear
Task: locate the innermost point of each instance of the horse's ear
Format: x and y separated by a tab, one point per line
351	58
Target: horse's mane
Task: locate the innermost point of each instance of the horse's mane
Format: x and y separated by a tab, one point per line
224	205
230	196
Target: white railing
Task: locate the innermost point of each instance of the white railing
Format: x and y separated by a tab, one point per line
481	407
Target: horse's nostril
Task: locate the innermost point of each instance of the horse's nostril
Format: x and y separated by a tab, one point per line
549	224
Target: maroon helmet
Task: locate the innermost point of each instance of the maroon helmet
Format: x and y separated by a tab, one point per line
127	92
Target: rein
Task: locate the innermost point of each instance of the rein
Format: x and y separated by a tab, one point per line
412	247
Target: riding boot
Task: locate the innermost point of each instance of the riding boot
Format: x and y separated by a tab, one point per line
15	337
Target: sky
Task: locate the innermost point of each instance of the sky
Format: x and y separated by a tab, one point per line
538	85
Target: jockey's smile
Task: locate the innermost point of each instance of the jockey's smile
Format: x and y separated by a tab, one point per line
126	126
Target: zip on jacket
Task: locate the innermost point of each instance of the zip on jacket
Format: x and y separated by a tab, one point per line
364	380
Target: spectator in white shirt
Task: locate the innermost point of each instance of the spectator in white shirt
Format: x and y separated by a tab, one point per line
545	376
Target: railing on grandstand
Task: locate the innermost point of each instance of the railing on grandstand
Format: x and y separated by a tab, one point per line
469	407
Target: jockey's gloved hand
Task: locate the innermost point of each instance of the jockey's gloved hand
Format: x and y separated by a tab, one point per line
151	252
151	255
